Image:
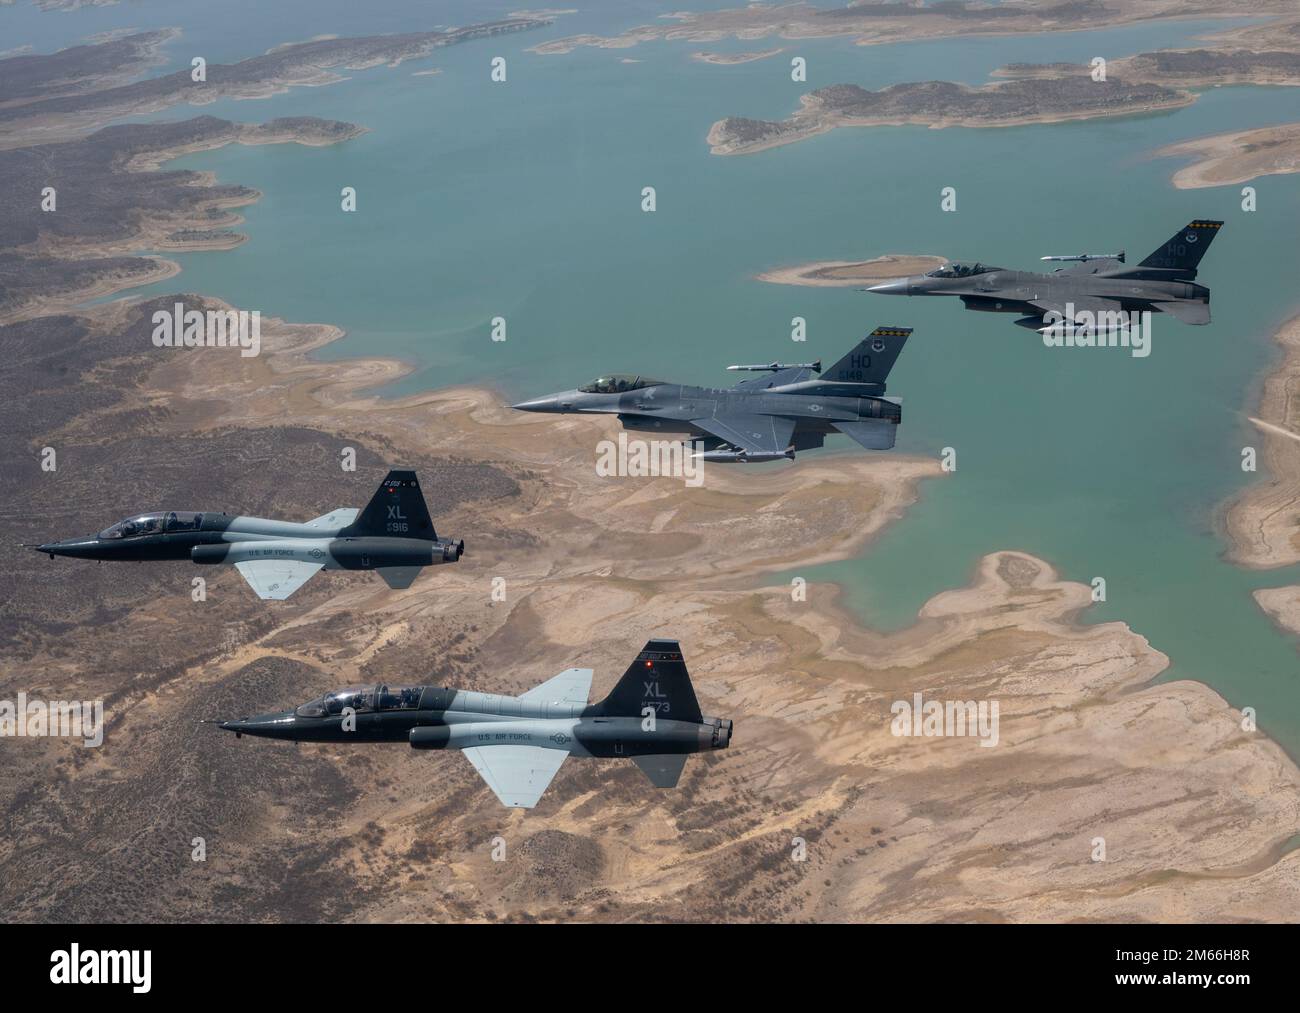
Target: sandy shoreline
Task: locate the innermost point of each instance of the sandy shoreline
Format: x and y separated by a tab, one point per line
67	300
1261	523
1237	157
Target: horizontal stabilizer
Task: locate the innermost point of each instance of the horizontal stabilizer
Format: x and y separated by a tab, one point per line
1187	312
335	519
517	775
663	770
399	577
572	686
874	434
276	579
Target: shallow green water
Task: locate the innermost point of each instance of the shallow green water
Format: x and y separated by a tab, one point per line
522	200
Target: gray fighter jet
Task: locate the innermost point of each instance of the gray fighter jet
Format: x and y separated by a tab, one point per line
764	418
518	743
1095	287
393	535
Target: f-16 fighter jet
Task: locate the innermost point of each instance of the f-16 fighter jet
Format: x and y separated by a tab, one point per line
393	535
518	743
765	418
1093	284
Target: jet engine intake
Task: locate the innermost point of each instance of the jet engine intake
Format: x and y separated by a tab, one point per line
430	737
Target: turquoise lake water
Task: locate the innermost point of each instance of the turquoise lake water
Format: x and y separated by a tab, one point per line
523	200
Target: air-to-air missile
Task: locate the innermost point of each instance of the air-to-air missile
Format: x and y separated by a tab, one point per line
1095	286
517	744
763	418
392	535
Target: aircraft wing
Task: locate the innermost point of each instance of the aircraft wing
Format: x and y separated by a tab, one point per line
573	685
1082	304
874	434
517	775
276	578
339	518
755	433
795	374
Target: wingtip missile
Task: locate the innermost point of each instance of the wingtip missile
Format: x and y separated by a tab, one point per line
1083	258
816	367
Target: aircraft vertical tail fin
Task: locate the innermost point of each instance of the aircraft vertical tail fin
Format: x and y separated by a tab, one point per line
871	359
396	510
1183	252
657	679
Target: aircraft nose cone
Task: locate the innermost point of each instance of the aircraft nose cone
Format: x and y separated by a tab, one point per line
77	548
550	403
272	726
902	286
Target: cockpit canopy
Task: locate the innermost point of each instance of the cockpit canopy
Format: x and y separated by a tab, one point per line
617	383
153	524
362	698
957	269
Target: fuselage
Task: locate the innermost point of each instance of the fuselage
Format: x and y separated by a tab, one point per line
1004	291
209	537
669	407
433	717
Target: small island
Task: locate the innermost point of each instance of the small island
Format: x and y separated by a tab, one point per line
731	59
1179	68
939	104
1227	159
874	22
44	113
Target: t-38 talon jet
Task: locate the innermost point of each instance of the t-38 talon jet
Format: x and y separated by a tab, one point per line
1093	284
518	743
765	418
393	535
